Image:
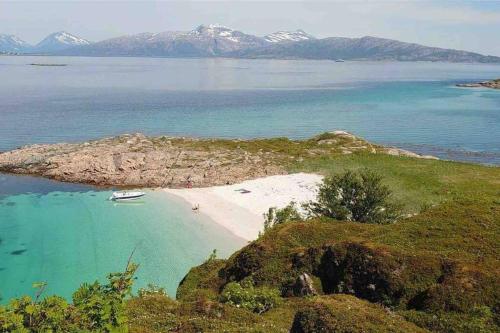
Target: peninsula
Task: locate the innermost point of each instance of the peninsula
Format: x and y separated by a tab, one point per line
137	160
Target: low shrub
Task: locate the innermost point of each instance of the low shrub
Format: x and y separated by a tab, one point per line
95	307
151	290
276	216
255	299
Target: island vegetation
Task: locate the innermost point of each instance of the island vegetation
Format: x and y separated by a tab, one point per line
393	243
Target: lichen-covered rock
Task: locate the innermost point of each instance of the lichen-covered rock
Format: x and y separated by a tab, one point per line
137	160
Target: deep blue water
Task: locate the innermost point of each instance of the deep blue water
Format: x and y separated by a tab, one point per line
410	105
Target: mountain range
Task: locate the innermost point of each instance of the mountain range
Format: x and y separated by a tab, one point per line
219	41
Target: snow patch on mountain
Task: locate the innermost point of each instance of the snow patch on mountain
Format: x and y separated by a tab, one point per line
11	43
69	39
288	36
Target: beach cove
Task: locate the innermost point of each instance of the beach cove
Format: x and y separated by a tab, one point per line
66	234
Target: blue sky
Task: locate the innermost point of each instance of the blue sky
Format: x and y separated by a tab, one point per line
467	25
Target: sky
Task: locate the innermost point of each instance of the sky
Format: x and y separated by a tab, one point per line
466	25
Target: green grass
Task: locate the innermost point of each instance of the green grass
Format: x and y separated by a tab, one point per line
417	183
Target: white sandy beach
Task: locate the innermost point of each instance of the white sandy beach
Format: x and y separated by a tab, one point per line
242	213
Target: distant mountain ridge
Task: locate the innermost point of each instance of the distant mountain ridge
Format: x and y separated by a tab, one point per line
215	40
364	48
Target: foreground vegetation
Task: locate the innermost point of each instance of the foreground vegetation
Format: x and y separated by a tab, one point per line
95	308
436	268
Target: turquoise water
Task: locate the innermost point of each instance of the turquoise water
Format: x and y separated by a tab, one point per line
66	234
410	105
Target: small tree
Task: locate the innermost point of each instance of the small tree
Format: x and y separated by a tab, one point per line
353	196
276	216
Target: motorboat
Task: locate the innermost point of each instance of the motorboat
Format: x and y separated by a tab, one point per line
126	195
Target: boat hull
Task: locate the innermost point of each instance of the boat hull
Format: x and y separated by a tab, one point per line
126	196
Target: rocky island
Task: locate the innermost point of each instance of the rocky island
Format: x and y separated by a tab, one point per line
494	84
138	160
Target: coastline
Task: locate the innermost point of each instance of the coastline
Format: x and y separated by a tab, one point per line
242	213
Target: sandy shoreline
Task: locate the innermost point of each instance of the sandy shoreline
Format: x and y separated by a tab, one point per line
242	213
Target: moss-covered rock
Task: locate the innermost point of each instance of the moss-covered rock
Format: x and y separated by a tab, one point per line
205	279
342	313
478	320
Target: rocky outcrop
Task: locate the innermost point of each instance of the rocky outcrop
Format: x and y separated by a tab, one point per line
137	160
494	84
304	286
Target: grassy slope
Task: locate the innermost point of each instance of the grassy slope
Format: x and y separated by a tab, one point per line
417	183
438	269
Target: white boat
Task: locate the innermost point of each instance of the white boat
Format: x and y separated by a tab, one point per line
126	195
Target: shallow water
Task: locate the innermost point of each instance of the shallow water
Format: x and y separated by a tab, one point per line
410	105
66	234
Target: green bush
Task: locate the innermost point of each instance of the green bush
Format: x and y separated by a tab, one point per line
96	307
256	299
276	216
353	196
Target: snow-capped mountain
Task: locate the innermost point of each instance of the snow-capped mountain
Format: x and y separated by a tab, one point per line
203	41
13	44
288	36
58	41
222	39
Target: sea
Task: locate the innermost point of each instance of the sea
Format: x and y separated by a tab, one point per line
66	234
